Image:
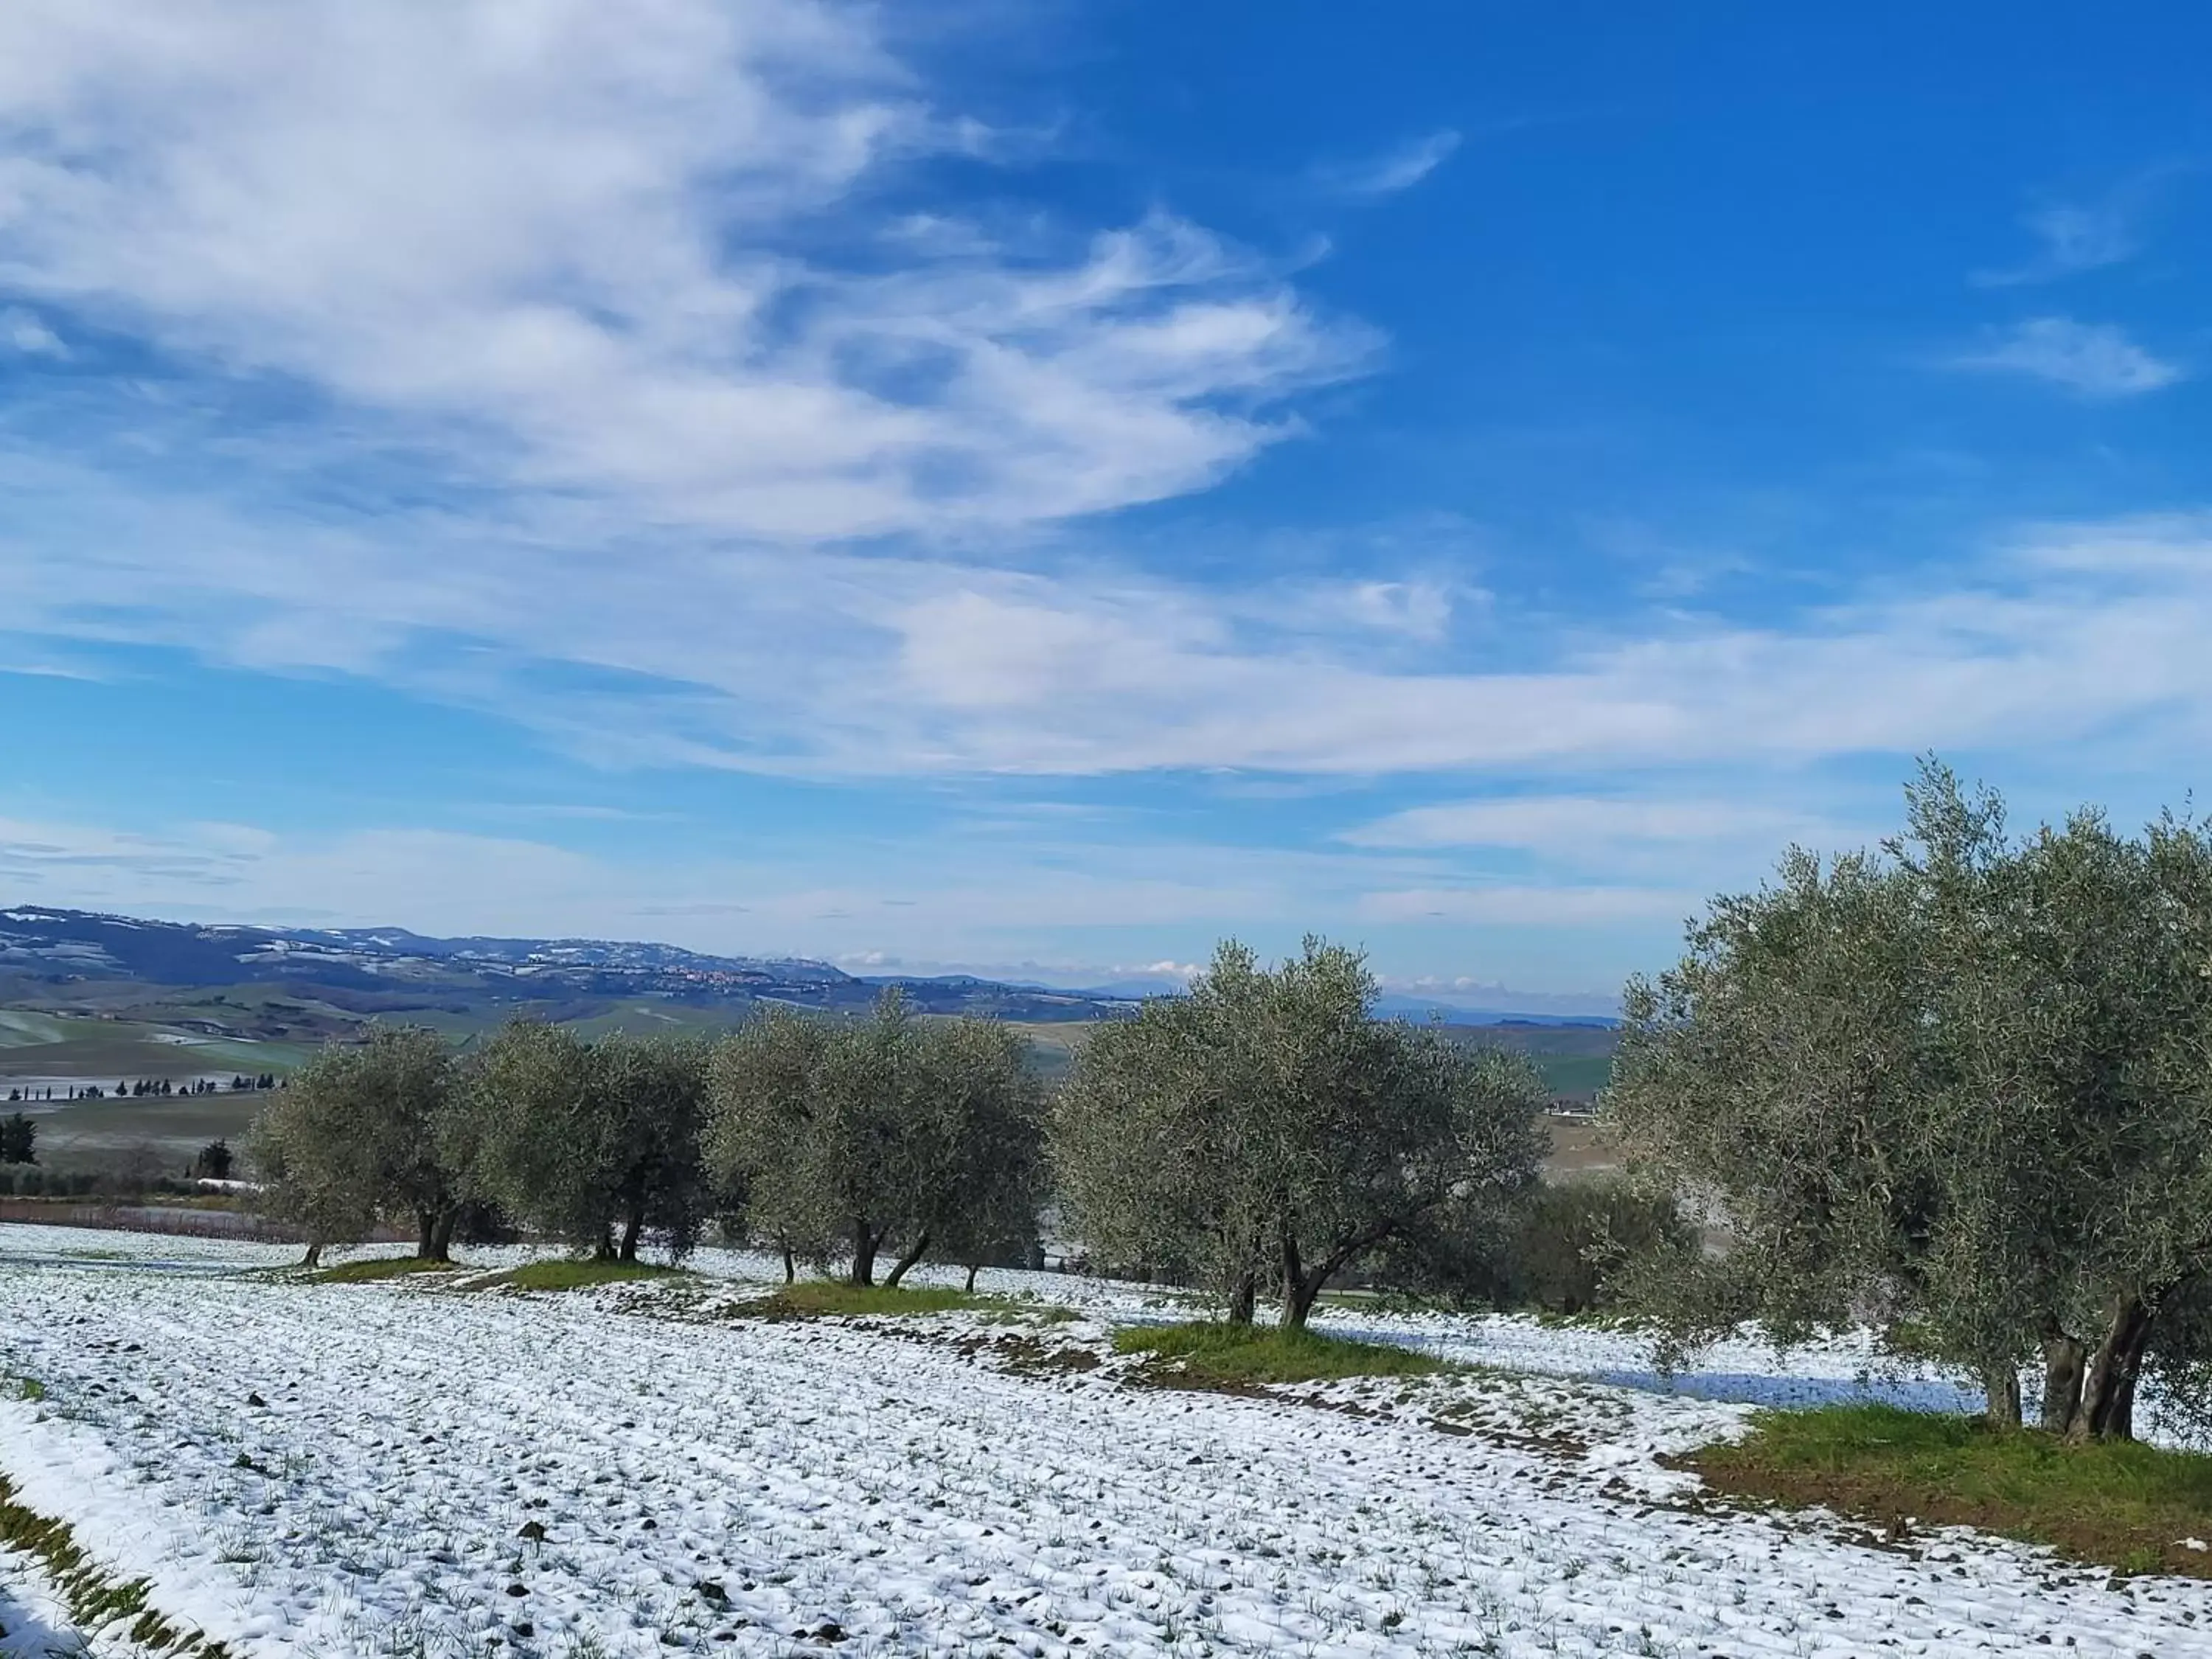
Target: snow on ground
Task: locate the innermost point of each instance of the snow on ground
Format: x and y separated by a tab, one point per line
397	1468
33	1622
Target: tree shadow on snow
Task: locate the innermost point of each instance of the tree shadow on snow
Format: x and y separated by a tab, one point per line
26	1633
1754	1388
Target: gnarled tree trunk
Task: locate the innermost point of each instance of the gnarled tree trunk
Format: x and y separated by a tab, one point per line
864	1246
2108	1389
1302	1285
633	1229
1243	1295
434	1234
905	1263
2062	1358
2001	1388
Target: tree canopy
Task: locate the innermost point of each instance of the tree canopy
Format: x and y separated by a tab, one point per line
355	1141
1267	1127
920	1136
1961	1085
595	1143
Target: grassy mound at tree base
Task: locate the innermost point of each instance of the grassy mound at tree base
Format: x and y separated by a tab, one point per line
1233	1356
376	1267
2125	1506
566	1275
814	1298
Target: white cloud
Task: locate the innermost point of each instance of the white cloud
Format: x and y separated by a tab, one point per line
840	665
590	250
22	331
626	262
2094	359
1394	170
1578	823
1531	906
2075	238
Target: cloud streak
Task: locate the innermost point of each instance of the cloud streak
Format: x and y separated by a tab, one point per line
1395	170
2075	238
2095	359
641	257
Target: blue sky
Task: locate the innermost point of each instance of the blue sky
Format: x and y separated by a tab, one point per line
1036	487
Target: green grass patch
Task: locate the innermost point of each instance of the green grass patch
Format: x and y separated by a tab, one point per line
566	1275
29	1388
816	1298
97	1600
1247	1356
2121	1504
374	1268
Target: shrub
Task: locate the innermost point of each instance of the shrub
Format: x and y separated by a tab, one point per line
1570	1242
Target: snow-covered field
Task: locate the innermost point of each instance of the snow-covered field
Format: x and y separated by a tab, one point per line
396	1469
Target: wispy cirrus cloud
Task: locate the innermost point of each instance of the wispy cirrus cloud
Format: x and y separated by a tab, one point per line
2074	238
1578	825
1532	905
841	665
642	257
2096	359
1393	170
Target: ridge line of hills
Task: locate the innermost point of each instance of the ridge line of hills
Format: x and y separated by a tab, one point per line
371	970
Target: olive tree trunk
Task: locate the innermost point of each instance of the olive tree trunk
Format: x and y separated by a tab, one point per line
2062	1360
1243	1295
2001	1388
434	1234
905	1263
864	1246
1302	1285
2108	1386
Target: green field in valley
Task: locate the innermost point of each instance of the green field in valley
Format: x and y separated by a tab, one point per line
181	1036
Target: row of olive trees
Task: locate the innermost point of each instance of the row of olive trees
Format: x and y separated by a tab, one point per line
1963	1088
808	1135
1262	1135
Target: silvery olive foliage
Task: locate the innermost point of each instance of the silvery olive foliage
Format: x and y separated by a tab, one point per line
918	1137
1268	1132
1962	1085
593	1142
354	1141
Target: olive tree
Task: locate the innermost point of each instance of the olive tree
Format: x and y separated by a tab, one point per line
1958	1087
762	1086
982	1182
356	1139
596	1143
892	1133
1268	1129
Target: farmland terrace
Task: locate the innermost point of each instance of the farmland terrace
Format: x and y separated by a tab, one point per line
414	1464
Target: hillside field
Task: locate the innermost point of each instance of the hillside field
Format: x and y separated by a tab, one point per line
415	1466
